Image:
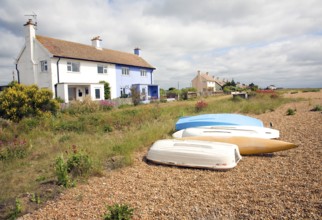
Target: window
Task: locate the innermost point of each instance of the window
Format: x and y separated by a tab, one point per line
43	65
73	66
125	71
102	69
143	73
97	93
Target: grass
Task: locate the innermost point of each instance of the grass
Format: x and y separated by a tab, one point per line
109	138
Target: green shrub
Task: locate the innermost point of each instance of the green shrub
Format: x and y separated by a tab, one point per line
16	210
107	128
317	108
19	101
61	172
79	163
107	90
119	212
290	111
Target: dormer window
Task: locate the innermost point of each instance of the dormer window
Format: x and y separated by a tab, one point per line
73	66
43	66
102	69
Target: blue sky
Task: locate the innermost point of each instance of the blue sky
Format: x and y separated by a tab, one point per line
251	41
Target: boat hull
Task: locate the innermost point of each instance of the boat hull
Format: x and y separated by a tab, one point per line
220	131
216	120
196	154
249	146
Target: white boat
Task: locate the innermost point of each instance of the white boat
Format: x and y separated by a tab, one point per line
225	131
192	153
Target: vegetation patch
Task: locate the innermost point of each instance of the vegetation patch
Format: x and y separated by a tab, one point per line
201	105
119	212
290	111
317	108
40	147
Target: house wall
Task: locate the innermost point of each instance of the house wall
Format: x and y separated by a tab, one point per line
88	73
43	78
134	77
25	67
197	83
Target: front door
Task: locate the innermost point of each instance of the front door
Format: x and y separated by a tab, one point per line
71	94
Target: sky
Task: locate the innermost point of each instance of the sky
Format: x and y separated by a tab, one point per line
265	42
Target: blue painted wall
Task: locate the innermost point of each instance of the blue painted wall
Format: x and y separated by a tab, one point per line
134	77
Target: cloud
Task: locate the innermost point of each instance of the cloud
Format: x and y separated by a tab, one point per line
260	41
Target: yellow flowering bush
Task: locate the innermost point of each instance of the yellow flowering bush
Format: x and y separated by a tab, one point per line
19	101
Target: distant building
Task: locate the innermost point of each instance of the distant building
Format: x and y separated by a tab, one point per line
204	83
272	87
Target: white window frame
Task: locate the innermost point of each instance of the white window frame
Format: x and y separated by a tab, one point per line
43	66
143	73
125	71
73	66
104	69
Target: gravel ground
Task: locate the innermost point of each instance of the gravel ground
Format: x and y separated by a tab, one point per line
283	185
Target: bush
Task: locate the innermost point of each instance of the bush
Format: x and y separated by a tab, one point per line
200	105
61	172
290	111
78	164
317	108
119	212
19	101
107	90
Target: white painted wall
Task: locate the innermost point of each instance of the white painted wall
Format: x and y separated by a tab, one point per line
88	73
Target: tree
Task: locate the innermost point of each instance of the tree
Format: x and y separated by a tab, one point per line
107	90
232	83
253	87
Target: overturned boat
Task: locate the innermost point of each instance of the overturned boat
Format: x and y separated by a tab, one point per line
216	120
248	145
225	131
194	153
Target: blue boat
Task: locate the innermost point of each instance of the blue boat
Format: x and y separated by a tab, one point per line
217	120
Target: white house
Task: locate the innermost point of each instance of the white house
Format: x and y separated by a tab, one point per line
73	71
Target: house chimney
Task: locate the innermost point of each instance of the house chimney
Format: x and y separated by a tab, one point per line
30	35
30	32
137	51
198	72
207	73
96	42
